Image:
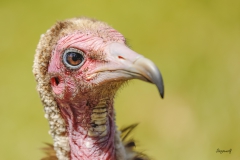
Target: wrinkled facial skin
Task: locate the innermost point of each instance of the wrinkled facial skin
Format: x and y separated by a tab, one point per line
67	83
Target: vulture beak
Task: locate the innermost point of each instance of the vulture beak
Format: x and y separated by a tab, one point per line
123	63
136	65
147	69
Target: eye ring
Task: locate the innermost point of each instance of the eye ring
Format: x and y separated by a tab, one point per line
73	58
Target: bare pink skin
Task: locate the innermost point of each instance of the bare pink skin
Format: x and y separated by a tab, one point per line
83	146
76	94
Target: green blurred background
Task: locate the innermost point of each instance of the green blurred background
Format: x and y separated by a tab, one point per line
196	45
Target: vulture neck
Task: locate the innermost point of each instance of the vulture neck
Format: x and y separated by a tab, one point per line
90	128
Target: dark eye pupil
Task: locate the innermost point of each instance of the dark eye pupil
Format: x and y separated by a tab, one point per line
74	58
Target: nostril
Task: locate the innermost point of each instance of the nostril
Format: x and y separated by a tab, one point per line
120	57
55	81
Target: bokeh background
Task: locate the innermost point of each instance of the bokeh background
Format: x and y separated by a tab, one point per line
196	45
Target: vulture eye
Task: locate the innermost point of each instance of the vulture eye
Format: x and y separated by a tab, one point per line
73	58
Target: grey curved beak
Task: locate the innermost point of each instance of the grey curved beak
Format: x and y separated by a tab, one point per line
150	71
136	65
126	64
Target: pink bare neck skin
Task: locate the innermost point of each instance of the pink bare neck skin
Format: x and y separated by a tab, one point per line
78	97
83	146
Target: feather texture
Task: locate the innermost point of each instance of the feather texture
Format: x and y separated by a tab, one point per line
130	146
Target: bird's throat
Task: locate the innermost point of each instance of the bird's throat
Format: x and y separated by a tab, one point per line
90	128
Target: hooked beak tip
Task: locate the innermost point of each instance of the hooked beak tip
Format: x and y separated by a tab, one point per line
159	83
161	90
150	71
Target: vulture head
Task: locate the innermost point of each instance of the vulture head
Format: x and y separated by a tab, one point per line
79	65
